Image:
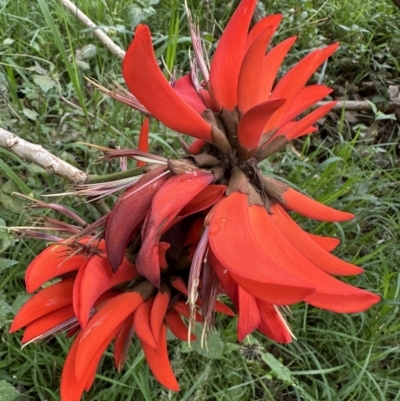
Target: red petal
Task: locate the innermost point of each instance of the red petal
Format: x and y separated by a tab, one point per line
291	84
251	125
107	321
122	342
297	129
93	280
183	309
271	64
186	91
141	323
309	207
307	97
205	199
48	300
195	232
177	327
179	284
227	282
196	146
162	250
309	248
52	262
327	243
272	325
146	81
251	71
164	208
128	214
158	311
48	323
234	244
249	317
329	293
272	21
158	362
228	56
143	144
70	389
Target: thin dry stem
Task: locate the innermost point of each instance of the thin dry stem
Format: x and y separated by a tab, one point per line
41	157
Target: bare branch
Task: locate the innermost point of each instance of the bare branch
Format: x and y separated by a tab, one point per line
111	46
359	105
38	155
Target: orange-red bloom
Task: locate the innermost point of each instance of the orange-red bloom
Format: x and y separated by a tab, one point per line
209	224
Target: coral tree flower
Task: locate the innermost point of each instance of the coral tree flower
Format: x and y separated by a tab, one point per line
209	224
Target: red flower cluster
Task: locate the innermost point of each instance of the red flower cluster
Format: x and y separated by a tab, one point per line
208	224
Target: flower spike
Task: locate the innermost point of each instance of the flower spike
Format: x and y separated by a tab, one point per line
187	231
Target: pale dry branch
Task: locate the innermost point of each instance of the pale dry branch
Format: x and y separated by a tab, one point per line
109	43
36	154
359	105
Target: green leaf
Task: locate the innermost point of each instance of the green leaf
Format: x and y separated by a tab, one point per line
30	114
278	369
44	82
8	392
212	348
6	263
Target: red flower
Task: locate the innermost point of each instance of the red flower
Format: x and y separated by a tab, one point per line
85	300
189	230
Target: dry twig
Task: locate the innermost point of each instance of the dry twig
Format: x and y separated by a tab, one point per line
38	155
110	45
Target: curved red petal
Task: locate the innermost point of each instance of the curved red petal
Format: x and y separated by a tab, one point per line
330	294
196	146
141	323
297	129
158	361
272	324
162	250
70	389
106	322
205	199
251	125
185	89
46	301
271	64
47	323
146	81
251	70
183	309
227	282
143	143
292	83
158	311
309	248
309	207
94	279
228	56
164	208
272	21
179	284
249	317
307	97
327	243
234	244
52	262
122	342
129	212
177	327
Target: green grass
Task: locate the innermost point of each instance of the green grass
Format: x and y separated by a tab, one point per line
45	99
